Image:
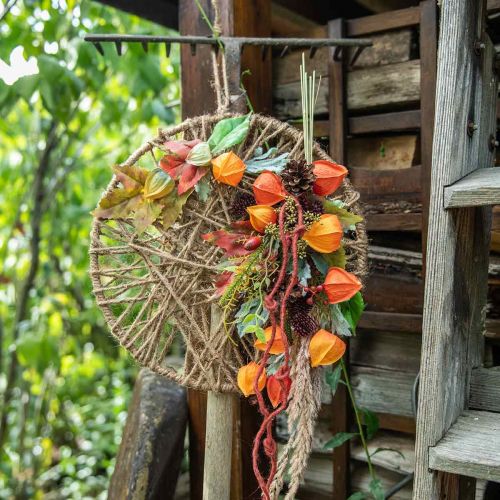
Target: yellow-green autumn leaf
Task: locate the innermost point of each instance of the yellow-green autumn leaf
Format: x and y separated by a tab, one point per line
131	177
346	218
118	204
146	213
173	207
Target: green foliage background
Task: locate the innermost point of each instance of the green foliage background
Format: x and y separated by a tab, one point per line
65	385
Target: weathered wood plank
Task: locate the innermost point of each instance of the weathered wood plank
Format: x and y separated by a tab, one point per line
394	222
367	89
386	122
456	288
479	188
399	322
389	48
386	350
470	447
383	152
485	389
377	23
384	391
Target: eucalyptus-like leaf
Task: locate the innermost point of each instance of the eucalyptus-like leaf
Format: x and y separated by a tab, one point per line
376	489
264	161
228	133
333	378
348	219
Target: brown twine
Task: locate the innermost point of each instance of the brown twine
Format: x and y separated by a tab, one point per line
158	286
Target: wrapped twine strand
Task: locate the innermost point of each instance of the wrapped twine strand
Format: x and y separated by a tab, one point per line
158	285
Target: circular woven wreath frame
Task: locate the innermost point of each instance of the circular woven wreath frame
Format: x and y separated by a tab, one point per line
158	285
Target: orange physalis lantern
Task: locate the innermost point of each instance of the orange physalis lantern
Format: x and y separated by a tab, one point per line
274	389
325	234
325	348
277	347
340	285
329	177
261	216
268	189
228	168
246	378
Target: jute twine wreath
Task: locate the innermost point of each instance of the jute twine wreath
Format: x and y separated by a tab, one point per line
159	285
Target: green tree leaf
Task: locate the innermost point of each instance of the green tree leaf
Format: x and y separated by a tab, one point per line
338	440
359	495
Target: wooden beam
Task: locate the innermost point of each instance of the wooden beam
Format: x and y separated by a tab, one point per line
338	151
398	322
385	122
428	74
394	222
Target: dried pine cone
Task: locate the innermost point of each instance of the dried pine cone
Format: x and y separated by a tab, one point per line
300	319
311	204
298	177
240	203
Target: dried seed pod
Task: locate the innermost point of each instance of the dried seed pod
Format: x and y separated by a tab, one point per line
158	184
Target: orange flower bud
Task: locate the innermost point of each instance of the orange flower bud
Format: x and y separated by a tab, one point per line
268	189
228	168
277	347
274	389
340	285
246	378
325	348
329	177
261	216
325	234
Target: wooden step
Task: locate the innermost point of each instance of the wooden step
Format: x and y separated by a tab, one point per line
471	447
485	389
480	188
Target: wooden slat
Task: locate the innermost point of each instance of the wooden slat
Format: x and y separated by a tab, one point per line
367	89
385	122
485	389
470	447
399	322
384	391
383	22
480	188
394	351
394	222
382	184
458	240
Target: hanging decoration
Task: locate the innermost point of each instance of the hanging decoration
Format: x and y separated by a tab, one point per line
248	213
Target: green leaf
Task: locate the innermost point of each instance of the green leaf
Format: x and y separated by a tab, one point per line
371	421
304	272
332	378
338	440
320	263
392	450
376	489
339	323
172	207
228	133
352	310
336	259
347	218
259	333
359	495
130	173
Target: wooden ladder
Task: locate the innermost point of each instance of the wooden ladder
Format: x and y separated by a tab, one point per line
458	421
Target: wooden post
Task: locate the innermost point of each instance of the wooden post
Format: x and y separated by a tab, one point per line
458	243
428	73
338	151
198	98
